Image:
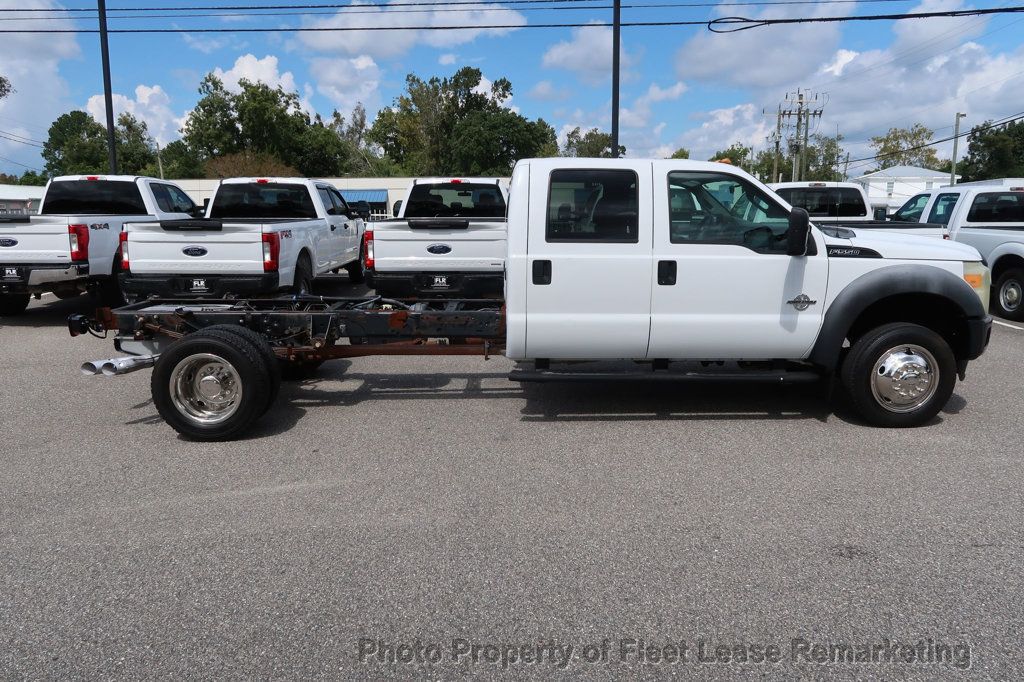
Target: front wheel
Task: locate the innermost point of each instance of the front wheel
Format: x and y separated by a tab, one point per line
355	269
899	375
13	304
209	387
1008	295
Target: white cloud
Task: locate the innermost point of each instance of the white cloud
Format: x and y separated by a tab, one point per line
836	66
742	123
31	62
588	54
639	114
393	43
347	81
546	91
255	70
151	104
447	59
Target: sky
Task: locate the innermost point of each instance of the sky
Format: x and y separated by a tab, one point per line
682	86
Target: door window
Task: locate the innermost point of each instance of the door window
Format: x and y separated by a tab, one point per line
997	207
911	211
170	199
943	208
717	208
593	206
340	203
325	197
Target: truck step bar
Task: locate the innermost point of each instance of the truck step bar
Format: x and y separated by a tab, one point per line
756	376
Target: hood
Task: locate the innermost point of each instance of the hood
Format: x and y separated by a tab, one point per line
899	246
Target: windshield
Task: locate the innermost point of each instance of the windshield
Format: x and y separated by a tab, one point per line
464	200
262	200
826	202
911	211
93	197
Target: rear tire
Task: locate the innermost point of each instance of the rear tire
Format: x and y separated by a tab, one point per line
261	345
1008	295
355	269
302	285
211	385
13	304
899	375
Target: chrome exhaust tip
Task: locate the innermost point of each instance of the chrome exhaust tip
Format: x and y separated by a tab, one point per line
118	366
93	367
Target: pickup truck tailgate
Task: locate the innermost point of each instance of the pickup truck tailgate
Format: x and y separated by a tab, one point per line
42	240
182	247
479	246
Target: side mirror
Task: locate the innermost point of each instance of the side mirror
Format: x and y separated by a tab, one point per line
798	232
397	208
199	211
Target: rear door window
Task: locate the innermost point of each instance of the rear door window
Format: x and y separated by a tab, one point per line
997	207
170	199
93	197
593	206
943	207
328	200
263	200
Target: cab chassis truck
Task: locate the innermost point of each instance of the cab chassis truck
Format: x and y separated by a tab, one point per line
604	264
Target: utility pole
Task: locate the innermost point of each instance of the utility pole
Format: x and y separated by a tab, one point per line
799	108
846	168
616	29
799	123
778	141
956	139
159	162
108	96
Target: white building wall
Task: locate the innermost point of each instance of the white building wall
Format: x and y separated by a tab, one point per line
895	191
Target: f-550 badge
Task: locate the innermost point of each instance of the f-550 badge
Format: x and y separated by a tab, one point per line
802	302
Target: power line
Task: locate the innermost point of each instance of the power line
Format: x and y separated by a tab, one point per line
24	140
711	25
19	163
262	8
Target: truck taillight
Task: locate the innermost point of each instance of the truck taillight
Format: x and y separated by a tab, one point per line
123	247
271	251
79	237
368	249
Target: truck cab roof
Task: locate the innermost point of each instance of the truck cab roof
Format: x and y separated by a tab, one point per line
104	178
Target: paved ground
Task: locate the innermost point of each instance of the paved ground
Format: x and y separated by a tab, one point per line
397	501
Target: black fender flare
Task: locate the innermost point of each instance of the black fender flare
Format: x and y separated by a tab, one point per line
876	285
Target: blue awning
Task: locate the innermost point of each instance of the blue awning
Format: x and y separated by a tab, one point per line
372	196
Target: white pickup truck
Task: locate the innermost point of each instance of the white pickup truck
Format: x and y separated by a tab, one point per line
448	239
72	246
846	204
988	215
260	235
747	289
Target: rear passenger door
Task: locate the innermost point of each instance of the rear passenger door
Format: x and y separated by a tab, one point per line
333	244
350	226
589	262
723	286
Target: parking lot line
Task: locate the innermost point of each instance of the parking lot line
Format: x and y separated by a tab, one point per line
1007	324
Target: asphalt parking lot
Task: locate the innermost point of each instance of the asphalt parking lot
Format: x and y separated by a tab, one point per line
396	501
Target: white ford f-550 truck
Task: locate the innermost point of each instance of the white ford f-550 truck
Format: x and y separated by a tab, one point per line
448	239
260	235
745	289
72	246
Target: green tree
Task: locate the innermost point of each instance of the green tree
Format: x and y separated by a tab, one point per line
5	87
212	127
592	144
179	161
490	142
905	147
76	144
681	153
32	178
136	150
994	152
245	164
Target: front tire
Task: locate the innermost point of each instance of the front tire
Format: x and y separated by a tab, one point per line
899	375
13	304
209	386
1008	295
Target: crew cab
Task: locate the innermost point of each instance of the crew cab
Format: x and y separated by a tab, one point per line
988	215
613	273
846	204
72	246
259	236
448	239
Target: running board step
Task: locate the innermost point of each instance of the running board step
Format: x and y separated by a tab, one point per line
755	376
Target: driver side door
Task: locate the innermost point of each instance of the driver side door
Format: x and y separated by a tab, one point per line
722	278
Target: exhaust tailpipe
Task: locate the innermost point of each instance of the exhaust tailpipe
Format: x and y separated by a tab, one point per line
118	366
92	368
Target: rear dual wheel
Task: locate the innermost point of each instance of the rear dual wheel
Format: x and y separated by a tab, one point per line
214	384
13	304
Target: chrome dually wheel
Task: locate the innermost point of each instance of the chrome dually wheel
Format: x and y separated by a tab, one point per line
205	388
905	378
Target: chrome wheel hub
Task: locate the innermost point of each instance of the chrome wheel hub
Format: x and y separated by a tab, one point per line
1010	295
905	378
205	388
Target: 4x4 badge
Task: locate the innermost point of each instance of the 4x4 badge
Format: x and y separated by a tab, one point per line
801	302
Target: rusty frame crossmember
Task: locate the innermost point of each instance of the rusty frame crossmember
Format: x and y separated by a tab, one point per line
308	329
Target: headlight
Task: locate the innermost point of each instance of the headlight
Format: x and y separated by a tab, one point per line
980	279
